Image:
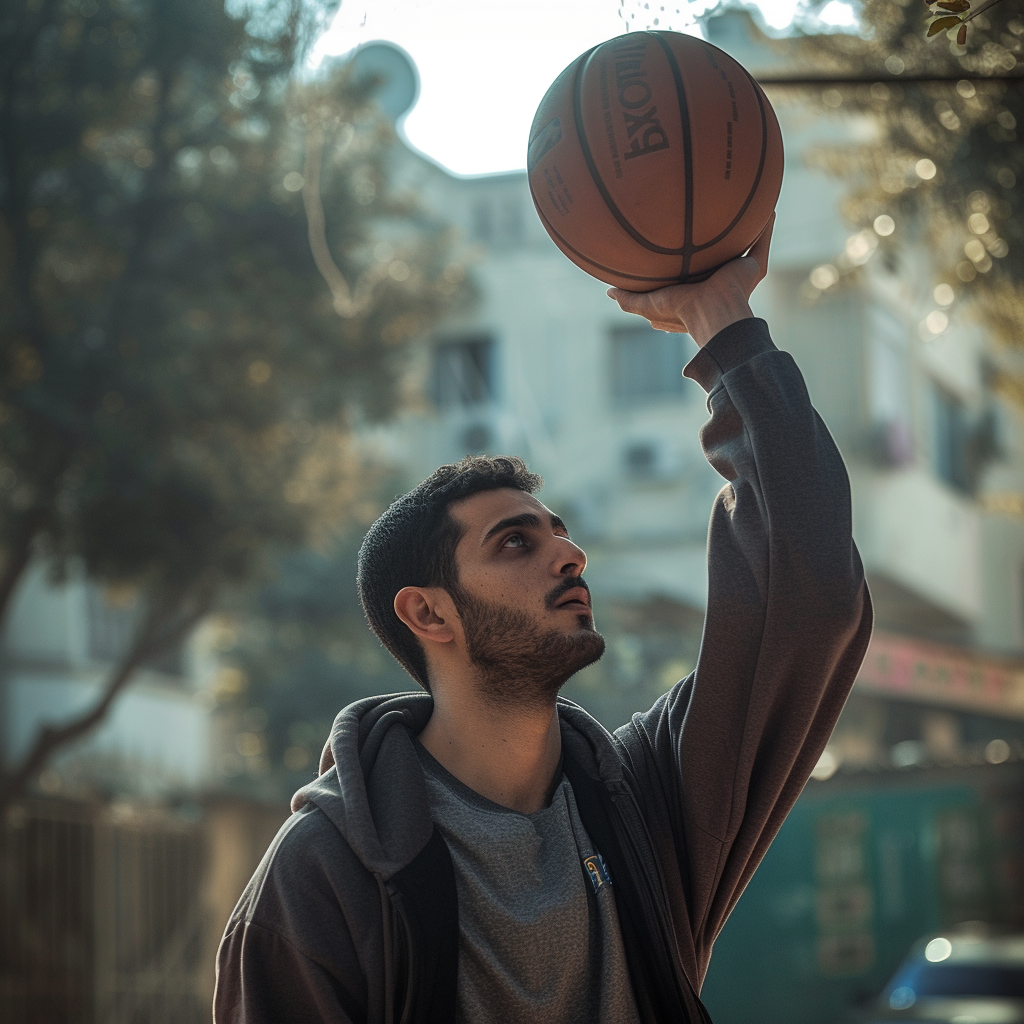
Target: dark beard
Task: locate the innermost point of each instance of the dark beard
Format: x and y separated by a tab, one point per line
521	665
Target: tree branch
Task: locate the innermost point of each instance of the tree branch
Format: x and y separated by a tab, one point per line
348	302
19	554
154	636
801	81
980	10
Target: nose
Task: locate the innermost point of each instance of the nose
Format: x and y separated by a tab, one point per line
570	560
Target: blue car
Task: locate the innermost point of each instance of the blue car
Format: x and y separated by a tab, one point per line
962	976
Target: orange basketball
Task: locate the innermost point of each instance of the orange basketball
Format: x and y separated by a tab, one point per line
654	158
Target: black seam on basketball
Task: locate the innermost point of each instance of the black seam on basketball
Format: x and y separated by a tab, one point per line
595	176
760	167
684	122
586	259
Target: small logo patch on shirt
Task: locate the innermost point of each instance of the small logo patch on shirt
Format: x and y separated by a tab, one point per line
597	871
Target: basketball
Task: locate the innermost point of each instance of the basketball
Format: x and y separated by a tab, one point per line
654	158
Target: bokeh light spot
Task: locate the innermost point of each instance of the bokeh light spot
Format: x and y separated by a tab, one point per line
824	276
259	371
997	751
978	223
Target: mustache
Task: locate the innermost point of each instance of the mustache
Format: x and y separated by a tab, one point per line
569	583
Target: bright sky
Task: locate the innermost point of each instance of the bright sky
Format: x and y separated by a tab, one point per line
484	64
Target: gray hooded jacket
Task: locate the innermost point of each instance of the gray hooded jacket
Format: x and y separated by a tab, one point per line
352	915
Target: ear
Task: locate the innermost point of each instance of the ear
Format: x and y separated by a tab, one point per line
424	611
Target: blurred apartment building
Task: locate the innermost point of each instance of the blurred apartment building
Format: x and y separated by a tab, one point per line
914	820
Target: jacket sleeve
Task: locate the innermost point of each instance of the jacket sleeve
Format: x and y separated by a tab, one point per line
718	762
305	934
263	979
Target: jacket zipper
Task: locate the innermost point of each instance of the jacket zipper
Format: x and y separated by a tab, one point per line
401	935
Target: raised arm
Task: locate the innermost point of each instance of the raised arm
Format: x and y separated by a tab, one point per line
720	759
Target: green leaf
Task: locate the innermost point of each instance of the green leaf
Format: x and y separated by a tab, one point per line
956	6
941	24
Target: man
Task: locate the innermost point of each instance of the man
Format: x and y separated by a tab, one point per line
486	851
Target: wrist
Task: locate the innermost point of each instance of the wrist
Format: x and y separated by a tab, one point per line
714	317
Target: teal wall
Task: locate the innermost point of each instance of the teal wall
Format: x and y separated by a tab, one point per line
852	880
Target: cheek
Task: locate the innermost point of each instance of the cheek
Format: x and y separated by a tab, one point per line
514	585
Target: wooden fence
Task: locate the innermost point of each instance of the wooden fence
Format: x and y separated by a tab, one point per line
111	913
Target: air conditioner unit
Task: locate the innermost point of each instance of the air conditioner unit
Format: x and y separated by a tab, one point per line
651	459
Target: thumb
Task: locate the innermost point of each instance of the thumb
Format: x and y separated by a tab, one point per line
762	244
631	302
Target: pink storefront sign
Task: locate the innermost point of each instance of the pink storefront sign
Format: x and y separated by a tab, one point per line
931	672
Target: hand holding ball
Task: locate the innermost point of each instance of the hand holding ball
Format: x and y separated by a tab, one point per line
706	307
654	159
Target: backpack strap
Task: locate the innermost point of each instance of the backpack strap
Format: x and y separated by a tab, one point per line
427	939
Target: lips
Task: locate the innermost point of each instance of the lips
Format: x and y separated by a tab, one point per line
577	599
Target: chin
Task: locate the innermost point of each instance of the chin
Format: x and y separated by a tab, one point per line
587	647
522	662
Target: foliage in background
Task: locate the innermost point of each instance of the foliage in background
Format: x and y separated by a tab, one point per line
943	166
177	387
293	657
948	15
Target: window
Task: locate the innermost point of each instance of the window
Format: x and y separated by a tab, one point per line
889	393
646	365
462	372
964	442
651	459
953	441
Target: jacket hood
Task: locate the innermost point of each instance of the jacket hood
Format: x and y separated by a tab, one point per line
371	783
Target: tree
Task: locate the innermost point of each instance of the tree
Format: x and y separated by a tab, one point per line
294	653
178	383
945	161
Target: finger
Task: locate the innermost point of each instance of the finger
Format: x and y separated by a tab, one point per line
762	244
632	302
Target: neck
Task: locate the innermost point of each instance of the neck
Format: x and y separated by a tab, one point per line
507	755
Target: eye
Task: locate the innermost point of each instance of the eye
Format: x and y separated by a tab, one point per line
514	540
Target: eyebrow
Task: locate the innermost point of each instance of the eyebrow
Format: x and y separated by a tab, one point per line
523	519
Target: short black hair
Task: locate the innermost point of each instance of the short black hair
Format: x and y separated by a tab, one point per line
413	544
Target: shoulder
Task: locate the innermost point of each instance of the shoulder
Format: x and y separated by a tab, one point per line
305	942
309	880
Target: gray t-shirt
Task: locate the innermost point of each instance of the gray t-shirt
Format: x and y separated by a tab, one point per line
539	939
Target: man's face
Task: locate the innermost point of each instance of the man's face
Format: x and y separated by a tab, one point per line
524	606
